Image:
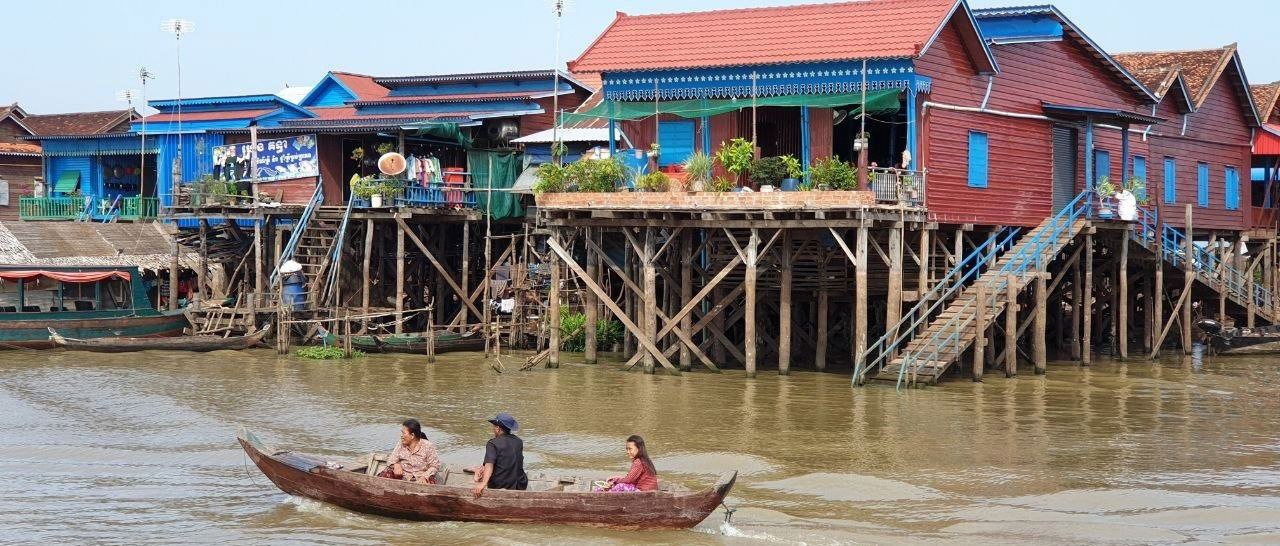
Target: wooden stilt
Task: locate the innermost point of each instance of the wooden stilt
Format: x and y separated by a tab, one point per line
1189	274
860	295
686	292
174	269
893	301
1157	303
364	268
1086	343
979	331
1122	321
820	352
592	306
1011	326
784	305
1040	351
1077	306
553	307
749	320
259	278
399	328
649	298
202	273
466	266
922	281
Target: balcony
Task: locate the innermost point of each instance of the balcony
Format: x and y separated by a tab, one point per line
898	186
75	208
139	208
50	208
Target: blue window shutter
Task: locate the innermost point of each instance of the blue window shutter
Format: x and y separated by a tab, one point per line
1170	180
1140	172
1101	165
1202	184
1232	183
977	159
676	140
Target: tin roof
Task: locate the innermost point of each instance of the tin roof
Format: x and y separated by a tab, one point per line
570	134
867	29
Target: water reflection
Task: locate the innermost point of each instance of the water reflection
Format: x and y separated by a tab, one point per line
140	447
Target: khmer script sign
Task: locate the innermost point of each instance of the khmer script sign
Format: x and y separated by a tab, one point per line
278	159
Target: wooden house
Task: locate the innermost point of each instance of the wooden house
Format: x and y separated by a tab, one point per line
1265	174
21	161
1200	150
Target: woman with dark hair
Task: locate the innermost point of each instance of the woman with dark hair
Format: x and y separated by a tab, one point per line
415	458
642	476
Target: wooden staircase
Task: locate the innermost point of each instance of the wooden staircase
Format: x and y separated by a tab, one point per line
315	250
928	355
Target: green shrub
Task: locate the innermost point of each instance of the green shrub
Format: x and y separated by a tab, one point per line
736	156
551	179
318	352
654	181
768	171
722	185
608	332
794	169
836	174
596	175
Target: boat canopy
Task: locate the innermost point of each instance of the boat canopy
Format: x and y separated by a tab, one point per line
64	276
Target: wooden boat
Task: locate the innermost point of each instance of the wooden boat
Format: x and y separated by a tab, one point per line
198	343
549	500
1262	340
44	297
412	343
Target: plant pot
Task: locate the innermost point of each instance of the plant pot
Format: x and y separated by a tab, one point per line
698	185
1105	212
790	184
375	200
824	187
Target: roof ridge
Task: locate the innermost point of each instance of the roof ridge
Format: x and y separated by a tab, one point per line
1159	52
78	113
766	8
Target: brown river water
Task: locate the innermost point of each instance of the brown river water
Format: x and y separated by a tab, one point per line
140	448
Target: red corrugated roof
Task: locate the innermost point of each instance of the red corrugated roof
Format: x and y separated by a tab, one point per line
848	30
210	116
363	86
339	112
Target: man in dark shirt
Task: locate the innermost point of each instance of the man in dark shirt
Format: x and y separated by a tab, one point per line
503	458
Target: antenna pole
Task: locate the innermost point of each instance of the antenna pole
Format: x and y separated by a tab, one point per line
555	90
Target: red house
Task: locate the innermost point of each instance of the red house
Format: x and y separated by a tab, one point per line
1201	148
1266	156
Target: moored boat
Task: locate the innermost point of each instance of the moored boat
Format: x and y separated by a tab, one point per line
412	343
549	500
1261	340
79	302
196	343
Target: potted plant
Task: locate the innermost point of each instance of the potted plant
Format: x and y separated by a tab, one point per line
372	189
698	170
736	156
907	185
831	173
768	172
1138	187
722	185
596	175
653	182
1105	190
385	148
794	173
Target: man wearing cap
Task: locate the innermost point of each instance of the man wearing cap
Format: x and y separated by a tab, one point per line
503	458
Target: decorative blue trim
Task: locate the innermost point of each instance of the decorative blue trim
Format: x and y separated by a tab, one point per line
770	80
804	138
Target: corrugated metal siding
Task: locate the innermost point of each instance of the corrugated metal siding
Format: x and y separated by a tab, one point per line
197	159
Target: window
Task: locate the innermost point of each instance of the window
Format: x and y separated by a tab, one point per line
977	159
1140	172
1170	180
1231	183
1202	184
1101	165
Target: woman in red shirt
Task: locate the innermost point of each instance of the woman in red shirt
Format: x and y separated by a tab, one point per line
642	476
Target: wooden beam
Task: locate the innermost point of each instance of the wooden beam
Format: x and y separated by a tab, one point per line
364	270
591	303
1122	322
1189	278
399	327
1086	344
608	302
979	330
820	349
784	307
404	228
860	296
1040	350
893	301
648	297
686	293
749	319
553	309
1011	325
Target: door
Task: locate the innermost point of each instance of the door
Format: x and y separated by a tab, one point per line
676	141
1064	167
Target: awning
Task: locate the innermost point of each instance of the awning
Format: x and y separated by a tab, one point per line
1098	115
64	276
447	131
877	102
67	182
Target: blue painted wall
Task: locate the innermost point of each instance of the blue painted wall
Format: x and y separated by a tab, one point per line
329	92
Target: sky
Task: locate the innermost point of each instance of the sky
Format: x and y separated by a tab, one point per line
77	55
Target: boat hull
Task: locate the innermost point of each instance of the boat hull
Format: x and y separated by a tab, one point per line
31	330
309	477
198	344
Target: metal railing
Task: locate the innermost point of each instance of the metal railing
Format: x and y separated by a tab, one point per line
335	254
317	198
1208	265
50	208
139	208
898	186
1029	253
971	267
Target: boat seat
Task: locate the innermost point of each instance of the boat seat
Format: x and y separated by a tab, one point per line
31	309
8	309
84	305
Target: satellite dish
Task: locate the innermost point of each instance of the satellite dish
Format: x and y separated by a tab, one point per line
839	116
391	163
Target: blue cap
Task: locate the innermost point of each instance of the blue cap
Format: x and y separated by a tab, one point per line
506	421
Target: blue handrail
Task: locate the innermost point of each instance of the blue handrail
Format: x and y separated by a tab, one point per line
1029	252
299	227
336	253
968	268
